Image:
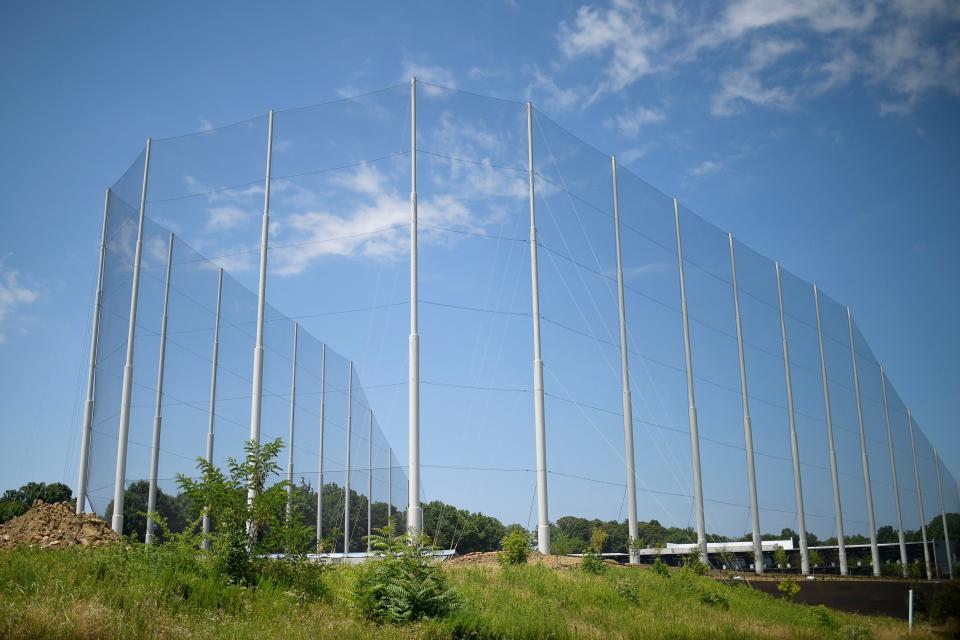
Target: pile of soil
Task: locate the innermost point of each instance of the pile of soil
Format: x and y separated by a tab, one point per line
55	526
488	558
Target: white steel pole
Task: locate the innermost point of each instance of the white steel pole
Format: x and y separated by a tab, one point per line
126	395
369	478
868	487
896	485
323	408
158	408
293	418
747	423
923	518
92	365
212	413
346	481
543	520
257	391
943	517
625	381
691	398
390	487
794	446
414	511
837	508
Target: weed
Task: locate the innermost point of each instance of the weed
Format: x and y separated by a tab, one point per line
788	589
660	567
515	548
627	590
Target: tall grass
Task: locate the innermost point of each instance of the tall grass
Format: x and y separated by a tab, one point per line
136	592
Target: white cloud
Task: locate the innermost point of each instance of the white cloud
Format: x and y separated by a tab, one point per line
706	168
429	74
225	218
13	294
543	89
630	122
907	49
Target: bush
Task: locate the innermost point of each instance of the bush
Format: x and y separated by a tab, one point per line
788	589
627	590
694	563
822	615
515	548
780	557
715	599
402	584
945	603
660	567
592	562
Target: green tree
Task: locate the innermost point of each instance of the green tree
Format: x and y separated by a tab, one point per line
16	502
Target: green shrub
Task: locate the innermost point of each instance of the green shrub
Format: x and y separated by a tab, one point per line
788	589
403	583
693	562
715	599
822	615
945	603
627	590
515	548
592	562
780	557
660	567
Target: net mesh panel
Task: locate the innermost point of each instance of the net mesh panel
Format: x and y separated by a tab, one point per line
334	449
307	416
800	316
766	385
655	348
359	493
877	449
903	458
930	495
580	325
476	354
187	366
122	212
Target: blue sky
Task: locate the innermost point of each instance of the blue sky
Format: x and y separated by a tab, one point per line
822	133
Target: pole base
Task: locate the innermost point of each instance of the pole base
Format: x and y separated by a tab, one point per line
543	539
117	524
415	520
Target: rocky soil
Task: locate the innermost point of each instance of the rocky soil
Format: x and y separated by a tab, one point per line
55	526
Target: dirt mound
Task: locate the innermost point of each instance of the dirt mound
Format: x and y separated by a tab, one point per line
55	526
487	558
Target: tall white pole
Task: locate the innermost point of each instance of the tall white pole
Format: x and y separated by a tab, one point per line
257	391
346	481
92	365
158	407
390	487
837	508
794	446
691	398
212	413
126	395
293	418
923	518
414	512
369	478
747	423
896	485
867	485
943	517
543	519
625	381
323	408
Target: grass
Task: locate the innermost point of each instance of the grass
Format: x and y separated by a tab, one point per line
137	593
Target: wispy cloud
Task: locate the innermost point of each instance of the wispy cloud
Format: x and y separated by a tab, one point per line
907	49
706	168
430	74
13	296
631	121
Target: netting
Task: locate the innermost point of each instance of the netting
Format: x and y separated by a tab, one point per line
338	266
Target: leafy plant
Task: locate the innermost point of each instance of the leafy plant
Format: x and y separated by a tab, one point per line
822	615
788	589
814	558
515	548
855	632
779	557
592	561
627	590
403	583
715	599
660	567
694	563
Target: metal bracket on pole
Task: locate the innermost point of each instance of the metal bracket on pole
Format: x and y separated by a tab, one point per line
923	518
625	382
943	517
293	418
794	446
256	401
896	485
158	409
747	423
691	398
543	519
126	394
92	365
323	407
212	415
346	482
414	511
868	487
834	476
